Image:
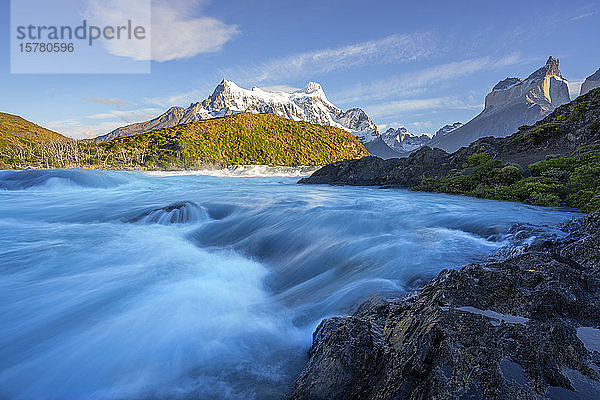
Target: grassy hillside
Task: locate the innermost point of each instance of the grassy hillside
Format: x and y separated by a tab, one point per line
15	130
238	139
18	137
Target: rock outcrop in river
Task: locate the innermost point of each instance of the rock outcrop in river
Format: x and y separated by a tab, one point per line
524	325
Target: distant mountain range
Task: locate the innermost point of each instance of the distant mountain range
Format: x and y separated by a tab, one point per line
555	161
512	103
309	104
403	142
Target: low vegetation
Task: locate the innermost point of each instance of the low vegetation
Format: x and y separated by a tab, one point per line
537	134
572	181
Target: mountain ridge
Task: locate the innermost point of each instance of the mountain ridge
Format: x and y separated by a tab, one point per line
309	104
15	128
511	103
404	142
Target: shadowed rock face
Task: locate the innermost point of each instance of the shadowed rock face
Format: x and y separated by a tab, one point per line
519	327
379	148
511	103
590	83
368	171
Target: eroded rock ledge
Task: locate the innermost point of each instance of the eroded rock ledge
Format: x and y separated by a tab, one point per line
525	326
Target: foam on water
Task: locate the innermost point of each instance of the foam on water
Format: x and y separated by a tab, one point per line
121	285
55	179
253	171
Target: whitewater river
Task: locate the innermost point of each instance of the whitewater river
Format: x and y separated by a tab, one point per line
103	298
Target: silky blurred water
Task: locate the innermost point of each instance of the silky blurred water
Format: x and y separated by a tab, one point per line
118	285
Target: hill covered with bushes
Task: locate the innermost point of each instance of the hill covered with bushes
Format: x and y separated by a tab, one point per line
241	139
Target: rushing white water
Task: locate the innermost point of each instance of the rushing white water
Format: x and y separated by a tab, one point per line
256	171
119	285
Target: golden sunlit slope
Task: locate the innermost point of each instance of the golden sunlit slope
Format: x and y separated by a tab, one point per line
15	130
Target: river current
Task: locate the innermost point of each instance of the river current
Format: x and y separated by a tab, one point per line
123	285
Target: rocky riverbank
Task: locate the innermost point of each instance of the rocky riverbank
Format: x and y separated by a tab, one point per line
525	325
554	162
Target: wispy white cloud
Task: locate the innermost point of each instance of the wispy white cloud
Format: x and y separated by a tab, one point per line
128	116
585	15
101	123
176	28
79	130
415	82
177	33
421	124
395	48
110	101
410	106
184	98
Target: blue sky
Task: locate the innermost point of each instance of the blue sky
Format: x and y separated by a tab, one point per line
417	64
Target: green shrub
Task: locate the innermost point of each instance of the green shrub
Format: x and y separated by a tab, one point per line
510	174
578	111
540	133
541	191
478	158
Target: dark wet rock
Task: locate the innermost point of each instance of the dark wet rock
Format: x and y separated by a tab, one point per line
505	329
175	213
524	237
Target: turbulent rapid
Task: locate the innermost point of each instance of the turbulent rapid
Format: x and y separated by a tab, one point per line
117	285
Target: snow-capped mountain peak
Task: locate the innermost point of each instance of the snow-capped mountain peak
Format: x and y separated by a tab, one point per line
308	104
402	141
312	87
446	129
